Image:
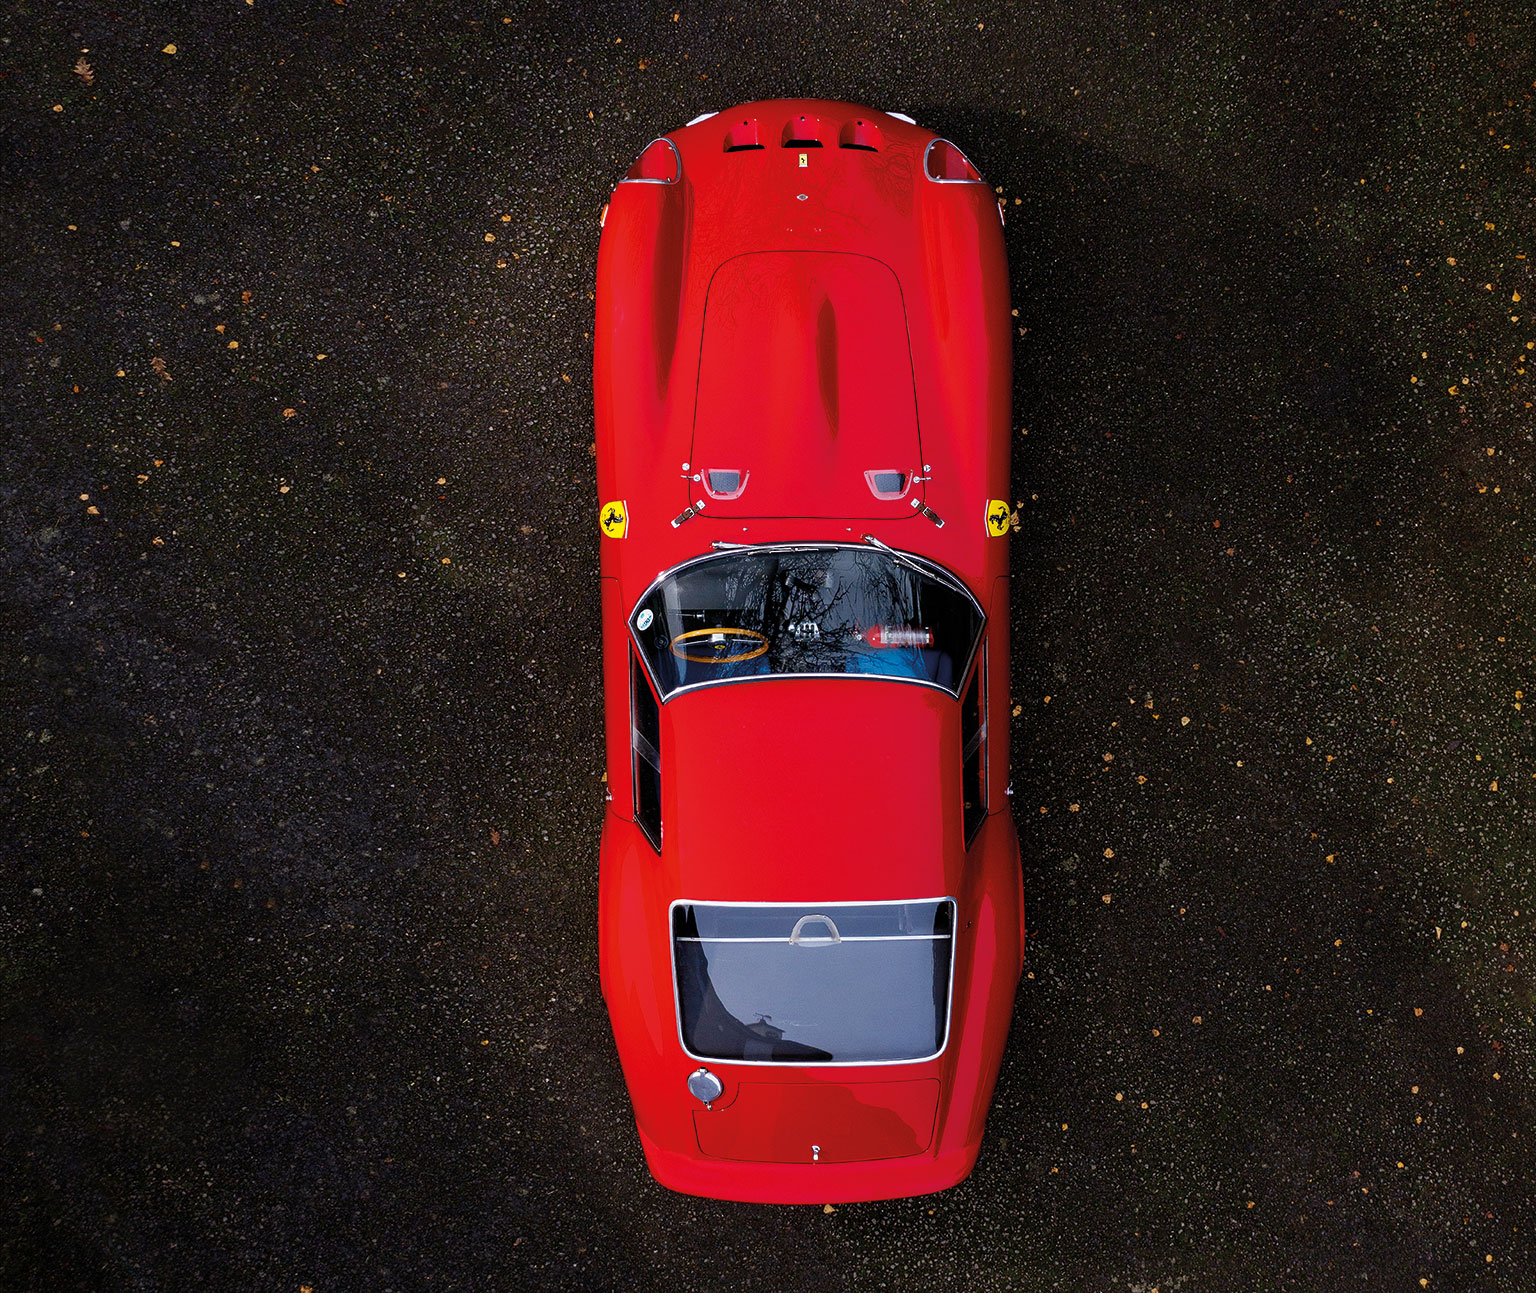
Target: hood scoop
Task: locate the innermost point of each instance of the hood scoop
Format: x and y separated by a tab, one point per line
805	386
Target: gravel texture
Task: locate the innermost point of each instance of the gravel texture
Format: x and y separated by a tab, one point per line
301	754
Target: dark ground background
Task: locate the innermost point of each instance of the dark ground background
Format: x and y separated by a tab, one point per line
301	745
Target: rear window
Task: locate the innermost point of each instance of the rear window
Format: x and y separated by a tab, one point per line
842	983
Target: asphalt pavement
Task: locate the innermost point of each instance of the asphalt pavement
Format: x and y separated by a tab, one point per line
300	760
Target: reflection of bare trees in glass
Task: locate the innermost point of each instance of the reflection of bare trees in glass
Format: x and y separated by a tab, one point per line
823	608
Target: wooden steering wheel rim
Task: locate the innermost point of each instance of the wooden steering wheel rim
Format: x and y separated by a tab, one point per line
679	650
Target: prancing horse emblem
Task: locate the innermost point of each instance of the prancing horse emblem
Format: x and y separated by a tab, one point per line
613	519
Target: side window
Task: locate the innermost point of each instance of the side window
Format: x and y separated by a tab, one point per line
645	742
973	731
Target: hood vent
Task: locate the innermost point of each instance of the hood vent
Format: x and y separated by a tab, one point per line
859	134
888	484
742	137
802	132
724	482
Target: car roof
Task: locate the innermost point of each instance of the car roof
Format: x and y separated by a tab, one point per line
790	788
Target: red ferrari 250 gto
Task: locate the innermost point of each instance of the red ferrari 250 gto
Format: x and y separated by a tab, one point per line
811	915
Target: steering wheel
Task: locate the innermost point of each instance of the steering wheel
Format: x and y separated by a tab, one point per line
724	645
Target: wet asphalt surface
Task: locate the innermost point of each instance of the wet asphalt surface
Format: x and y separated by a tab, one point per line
301	745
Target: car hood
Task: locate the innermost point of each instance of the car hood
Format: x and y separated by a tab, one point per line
826	789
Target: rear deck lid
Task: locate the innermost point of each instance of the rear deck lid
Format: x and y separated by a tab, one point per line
820	1122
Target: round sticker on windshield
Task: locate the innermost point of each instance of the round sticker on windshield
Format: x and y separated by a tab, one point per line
643	620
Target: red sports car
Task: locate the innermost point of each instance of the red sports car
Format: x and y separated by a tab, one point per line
811	915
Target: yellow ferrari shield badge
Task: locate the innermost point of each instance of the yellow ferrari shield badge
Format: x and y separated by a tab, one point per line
613	519
998	513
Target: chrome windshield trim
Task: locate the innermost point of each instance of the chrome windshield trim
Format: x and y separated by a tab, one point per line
781	677
923	565
949	999
927	564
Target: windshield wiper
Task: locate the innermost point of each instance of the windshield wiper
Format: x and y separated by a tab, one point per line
896	556
935	571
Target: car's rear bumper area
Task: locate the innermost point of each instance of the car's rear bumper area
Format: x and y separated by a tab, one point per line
886	1178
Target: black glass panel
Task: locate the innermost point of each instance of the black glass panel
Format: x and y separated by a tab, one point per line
972	733
813	984
828	610
645	742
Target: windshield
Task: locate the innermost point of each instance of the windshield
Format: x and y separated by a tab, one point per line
835	983
806	610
